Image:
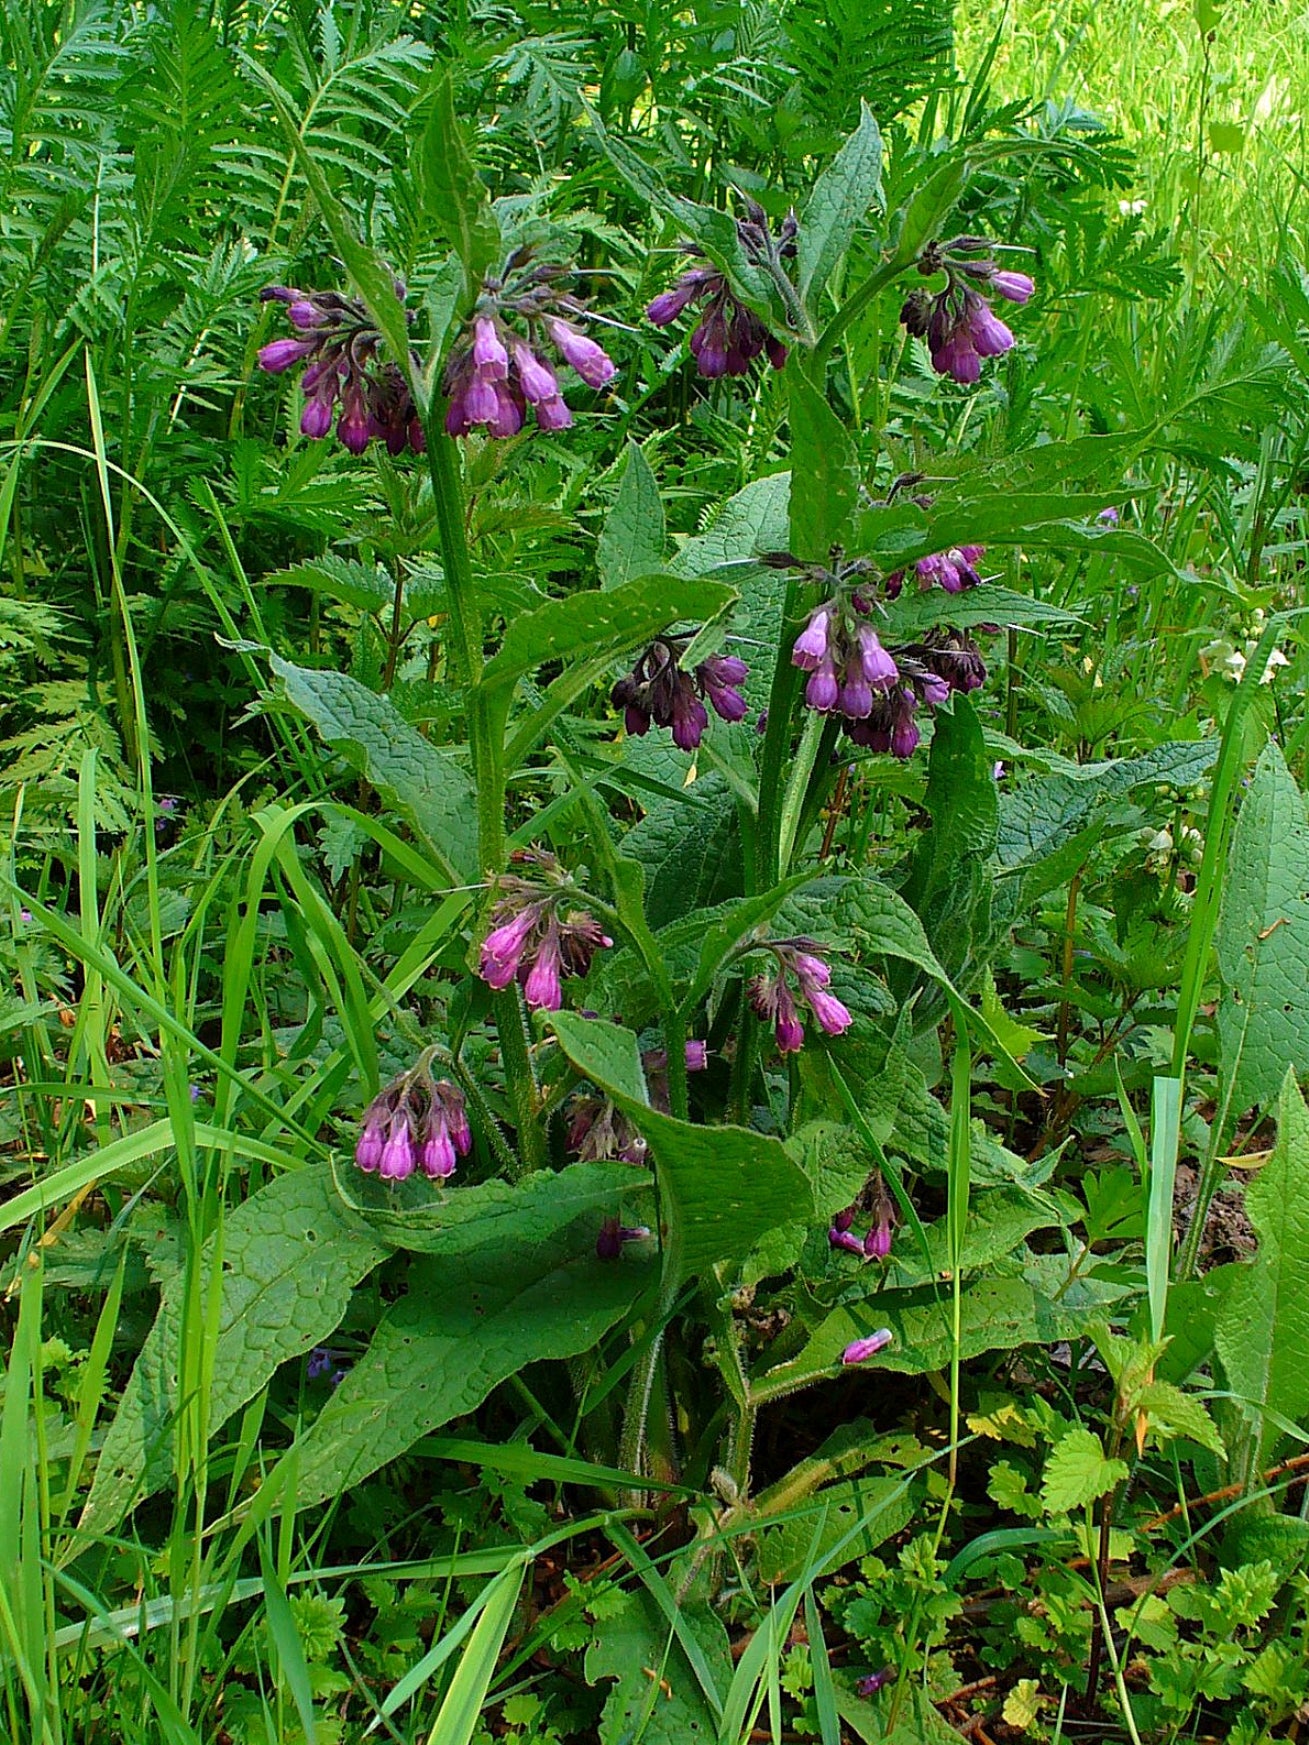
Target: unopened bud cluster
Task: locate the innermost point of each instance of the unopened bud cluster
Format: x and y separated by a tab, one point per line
598	1129
537	936
875	1243
958	323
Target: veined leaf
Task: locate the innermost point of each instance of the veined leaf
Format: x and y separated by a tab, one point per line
632	539
290	1258
849	185
1077	1472
454	195
824	474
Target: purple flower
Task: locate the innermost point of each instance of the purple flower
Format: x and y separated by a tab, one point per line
1016	287
553	414
399	1157
534	939
773	1000
845	1239
811	645
613	1237
833	1017
321	1363
879	669
659	689
284	354
697	1056
860	1350
1108	517
535	377
728	337
502	949
490	359
592	363
823	691
416	1122
543	990
957	356
988	333
872	1682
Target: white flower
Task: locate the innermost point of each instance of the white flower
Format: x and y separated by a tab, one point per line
1275	659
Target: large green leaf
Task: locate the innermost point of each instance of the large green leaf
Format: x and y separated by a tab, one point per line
508	1215
290	1258
1263	1324
594	625
632	539
880	1507
750	524
721	1189
424	782
1262	940
841	196
467	1322
454	196
824	474
656	1697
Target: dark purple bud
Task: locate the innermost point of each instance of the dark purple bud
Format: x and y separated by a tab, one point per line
846	1240
283	354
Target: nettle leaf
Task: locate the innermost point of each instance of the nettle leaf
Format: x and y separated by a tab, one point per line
595	625
291	1256
824	474
467	1321
453	194
1262	1330
1262	940
632	539
1077	1472
849	185
424	782
721	1189
368	587
509	1215
1173	1413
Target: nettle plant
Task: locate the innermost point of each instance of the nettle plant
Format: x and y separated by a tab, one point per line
676	1131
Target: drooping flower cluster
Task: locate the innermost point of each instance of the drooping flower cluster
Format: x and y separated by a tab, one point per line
954	570
600	1130
415	1122
958	323
658	689
878	691
500	365
340	349
875	1244
537	937
728	337
772	997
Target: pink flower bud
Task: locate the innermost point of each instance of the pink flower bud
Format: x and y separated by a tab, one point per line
502	949
832	1016
811	644
490	359
860	1350
535	377
1017	287
283	354
989	335
397	1161
878	667
592	363
543	990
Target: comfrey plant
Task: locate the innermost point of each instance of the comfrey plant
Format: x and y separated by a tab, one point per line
645	1175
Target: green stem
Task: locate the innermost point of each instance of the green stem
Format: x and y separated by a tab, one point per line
782	698
852	309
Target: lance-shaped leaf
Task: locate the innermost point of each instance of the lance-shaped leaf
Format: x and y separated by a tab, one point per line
424	782
290	1258
824	474
721	1189
632	539
1263	1324
466	1322
842	195
454	195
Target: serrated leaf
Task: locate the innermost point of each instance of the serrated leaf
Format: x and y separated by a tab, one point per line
291	1256
423	781
1018	1038
755	521
365	586
632	540
824	474
509	1215
1262	1330
1262	939
1077	1472
849	185
1173	1413
721	1189
466	1322
908	617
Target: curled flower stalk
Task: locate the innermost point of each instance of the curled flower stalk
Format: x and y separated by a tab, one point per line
344	375
525	323
660	690
537	937
417	1122
958	324
728	337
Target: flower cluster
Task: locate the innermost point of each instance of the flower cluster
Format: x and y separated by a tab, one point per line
416	1122
536	938
954	570
958	323
728	337
598	1129
339	347
500	364
878	691
658	689
772	997
875	1244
